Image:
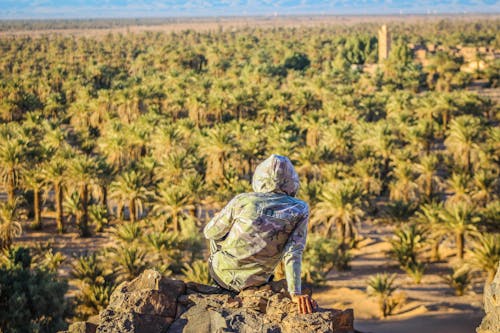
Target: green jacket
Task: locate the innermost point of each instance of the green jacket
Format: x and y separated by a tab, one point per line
256	230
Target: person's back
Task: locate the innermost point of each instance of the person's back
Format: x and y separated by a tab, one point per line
256	230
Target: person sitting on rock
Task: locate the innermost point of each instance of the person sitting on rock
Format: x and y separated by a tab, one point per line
257	230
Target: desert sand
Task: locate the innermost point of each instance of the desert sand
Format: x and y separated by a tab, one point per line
429	307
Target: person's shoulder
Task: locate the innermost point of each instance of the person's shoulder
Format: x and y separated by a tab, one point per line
242	197
301	203
298	201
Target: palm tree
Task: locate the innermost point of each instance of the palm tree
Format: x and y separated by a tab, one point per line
251	147
86	268
81	111
281	138
429	218
55	172
308	160
197	106
91	299
339	138
428	177
128	190
197	272
314	126
279	105
83	173
340	205
426	109
461	220
443	66
459	186
446	108
172	167
422	136
130	262
73	207
195	187
462	140
105	175
306	100
400	103
10	227
33	180
485	185
115	145
172	202
460	279
380	138
406	243
217	104
129	105
12	163
54	138
216	147
485	253
98	215
127	233
404	186
164	141
368	172
95	284
382	287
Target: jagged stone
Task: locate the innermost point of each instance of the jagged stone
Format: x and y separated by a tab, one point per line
145	304
148	294
491	321
193	287
323	321
129	322
152	303
94	320
82	327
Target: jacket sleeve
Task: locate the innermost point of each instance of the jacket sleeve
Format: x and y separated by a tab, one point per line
292	257
220	224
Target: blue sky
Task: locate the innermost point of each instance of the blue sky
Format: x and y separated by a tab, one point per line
169	8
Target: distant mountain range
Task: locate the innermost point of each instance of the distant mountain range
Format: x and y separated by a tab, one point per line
17	9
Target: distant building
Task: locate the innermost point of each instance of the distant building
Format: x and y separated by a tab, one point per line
420	52
384	43
475	58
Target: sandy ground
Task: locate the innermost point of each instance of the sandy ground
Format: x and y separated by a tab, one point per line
428	323
429	307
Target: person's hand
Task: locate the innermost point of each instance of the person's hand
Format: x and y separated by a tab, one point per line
305	303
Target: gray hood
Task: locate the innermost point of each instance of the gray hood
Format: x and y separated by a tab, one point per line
276	174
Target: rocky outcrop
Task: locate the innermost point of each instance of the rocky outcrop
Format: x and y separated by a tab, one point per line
155	304
491	321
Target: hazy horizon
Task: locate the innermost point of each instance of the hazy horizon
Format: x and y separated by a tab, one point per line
95	9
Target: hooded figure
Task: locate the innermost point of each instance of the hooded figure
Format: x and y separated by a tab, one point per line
256	230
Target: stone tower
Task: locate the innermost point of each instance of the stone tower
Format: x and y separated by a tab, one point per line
384	43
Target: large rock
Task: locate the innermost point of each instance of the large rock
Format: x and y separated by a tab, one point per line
82	327
155	304
146	304
491	321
